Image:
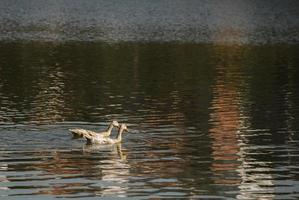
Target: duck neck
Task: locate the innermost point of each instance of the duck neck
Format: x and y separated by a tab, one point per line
118	138
110	128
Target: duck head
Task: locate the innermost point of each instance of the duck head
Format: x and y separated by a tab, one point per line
124	128
115	123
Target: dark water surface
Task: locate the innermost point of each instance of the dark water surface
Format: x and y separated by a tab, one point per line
209	90
206	120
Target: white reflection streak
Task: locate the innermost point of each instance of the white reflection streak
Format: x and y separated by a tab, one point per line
256	183
114	170
3	178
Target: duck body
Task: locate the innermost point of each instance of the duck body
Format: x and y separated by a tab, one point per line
100	139
78	133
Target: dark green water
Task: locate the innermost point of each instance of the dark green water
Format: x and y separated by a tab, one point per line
206	121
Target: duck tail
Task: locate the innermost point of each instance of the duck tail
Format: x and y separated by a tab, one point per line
77	132
81	133
88	136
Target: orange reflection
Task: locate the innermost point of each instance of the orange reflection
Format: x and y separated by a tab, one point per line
226	116
231	163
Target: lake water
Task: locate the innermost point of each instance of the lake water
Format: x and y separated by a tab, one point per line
211	99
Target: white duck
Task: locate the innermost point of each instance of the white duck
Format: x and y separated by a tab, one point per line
77	133
99	139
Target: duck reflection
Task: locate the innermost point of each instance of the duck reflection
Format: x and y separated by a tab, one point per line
114	169
101	170
116	149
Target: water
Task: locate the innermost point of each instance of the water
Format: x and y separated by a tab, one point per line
211	116
225	21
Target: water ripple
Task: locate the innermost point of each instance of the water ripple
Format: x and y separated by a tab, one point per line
205	121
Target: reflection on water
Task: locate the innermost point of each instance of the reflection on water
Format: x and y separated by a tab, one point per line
114	169
226	114
206	120
110	170
232	132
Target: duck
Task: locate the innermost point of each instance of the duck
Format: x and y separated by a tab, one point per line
100	139
78	133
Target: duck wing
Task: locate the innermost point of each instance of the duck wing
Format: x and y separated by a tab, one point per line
91	136
104	134
81	132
